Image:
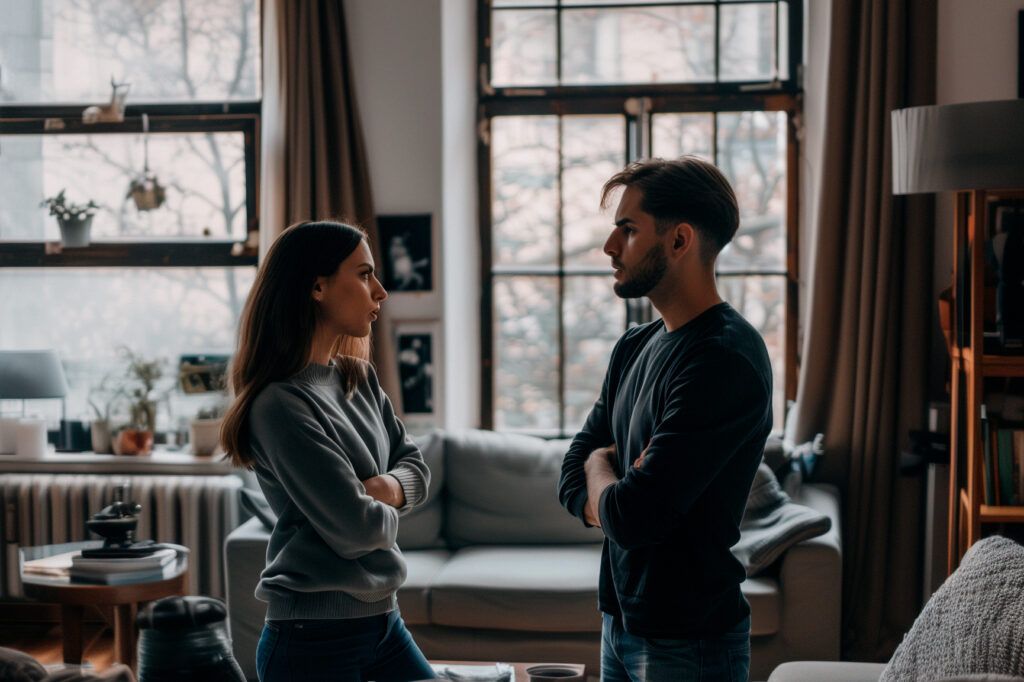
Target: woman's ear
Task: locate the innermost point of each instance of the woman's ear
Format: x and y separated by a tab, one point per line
318	289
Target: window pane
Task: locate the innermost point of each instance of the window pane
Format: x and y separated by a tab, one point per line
642	45
593	149
526	353
168	50
203	174
676	134
87	313
747	42
783	56
525	3
594	319
524	153
752	154
762	301
523	48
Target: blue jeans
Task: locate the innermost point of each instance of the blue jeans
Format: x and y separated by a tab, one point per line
626	657
342	650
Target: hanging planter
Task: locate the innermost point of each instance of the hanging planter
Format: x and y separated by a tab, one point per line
145	190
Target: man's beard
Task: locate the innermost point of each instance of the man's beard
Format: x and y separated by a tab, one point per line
645	275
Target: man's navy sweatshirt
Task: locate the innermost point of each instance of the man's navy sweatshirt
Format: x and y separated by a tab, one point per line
698	399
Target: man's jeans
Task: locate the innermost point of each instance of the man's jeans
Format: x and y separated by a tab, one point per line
340	650
625	657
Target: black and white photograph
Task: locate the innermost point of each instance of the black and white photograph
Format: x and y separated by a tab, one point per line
417	350
406	250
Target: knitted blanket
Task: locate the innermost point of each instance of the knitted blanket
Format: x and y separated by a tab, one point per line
974	623
772	523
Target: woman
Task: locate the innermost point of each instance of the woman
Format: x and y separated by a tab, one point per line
335	464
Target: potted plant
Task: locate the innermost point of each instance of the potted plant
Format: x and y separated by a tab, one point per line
74	220
137	438
204	430
101	399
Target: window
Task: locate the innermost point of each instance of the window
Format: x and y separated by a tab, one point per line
570	91
165	282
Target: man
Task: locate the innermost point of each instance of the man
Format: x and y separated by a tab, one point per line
665	460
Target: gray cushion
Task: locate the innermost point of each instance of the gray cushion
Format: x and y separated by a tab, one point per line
763	595
974	623
546	589
413	595
421	527
503	489
820	671
772	523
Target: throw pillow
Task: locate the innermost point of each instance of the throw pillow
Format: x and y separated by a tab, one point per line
772	523
973	624
255	503
18	666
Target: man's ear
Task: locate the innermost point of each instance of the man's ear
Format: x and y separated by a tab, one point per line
684	239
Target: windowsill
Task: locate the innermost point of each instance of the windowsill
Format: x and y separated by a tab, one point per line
158	462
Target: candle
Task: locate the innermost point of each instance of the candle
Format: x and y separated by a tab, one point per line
8	435
31	438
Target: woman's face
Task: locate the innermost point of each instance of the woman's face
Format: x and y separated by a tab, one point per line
349	300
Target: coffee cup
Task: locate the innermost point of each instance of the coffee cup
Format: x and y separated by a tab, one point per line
550	672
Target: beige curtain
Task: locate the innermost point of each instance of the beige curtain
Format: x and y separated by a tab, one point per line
863	376
314	163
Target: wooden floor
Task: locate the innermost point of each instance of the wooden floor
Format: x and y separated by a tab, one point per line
42	642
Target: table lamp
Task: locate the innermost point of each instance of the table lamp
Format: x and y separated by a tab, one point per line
28	375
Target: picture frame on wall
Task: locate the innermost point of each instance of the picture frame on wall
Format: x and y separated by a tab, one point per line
418	355
406	249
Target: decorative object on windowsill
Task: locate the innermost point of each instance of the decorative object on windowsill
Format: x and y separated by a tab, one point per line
204	430
137	438
105	395
113	111
28	375
145	190
74	220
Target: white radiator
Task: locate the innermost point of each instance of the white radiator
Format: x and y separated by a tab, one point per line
47	509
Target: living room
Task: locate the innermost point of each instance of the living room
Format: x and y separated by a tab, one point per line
426	117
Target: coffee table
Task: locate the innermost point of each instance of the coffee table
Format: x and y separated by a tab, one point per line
520	668
73	596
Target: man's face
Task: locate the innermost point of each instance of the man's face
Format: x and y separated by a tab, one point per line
636	249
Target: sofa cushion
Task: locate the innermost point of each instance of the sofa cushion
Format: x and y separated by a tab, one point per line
546	589
765	604
414	594
503	489
421	527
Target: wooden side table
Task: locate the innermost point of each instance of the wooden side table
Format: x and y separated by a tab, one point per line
74	596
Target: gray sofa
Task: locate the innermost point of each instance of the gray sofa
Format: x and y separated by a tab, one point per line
499	571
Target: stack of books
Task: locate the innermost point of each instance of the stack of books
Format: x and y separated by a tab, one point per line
1003	455
160	565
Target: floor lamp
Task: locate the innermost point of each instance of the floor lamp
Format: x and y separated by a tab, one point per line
977	150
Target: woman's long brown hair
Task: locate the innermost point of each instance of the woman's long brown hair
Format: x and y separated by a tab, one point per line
276	330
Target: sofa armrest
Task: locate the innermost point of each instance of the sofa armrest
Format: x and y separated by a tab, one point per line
811	583
245	555
814	671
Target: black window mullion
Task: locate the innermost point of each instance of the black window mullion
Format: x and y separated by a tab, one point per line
560	307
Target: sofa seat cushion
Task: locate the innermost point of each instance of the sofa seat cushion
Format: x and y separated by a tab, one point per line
765	604
414	595
545	589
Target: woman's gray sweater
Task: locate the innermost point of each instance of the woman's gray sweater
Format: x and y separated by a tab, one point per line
332	553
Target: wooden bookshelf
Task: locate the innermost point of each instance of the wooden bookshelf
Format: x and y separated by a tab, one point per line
967	511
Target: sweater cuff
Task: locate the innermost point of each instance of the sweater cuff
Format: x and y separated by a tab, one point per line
412	486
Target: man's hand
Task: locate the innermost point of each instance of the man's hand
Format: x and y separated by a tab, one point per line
639	461
385	489
600	473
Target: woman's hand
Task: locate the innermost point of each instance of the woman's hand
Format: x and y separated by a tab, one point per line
385	489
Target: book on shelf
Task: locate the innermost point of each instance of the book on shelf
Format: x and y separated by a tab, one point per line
1004	453
988	472
1018	458
104	577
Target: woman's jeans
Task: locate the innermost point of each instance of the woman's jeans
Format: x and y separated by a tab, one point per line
626	657
343	650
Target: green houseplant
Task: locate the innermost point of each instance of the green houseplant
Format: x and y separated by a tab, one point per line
143	374
74	220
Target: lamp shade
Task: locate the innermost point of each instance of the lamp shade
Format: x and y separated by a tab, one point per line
27	374
977	145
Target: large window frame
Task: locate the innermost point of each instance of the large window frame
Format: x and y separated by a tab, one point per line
637	103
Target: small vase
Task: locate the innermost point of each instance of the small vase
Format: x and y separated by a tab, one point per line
99	432
75	231
205	436
132	442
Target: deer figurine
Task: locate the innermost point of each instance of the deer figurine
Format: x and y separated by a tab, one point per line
112	112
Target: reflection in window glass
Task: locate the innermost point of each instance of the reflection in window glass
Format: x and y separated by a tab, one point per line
87	313
525	204
594	319
203	174
526	353
643	45
167	50
593	149
761	300
523	48
752	155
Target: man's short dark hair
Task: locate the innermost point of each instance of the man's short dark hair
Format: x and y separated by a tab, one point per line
684	190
